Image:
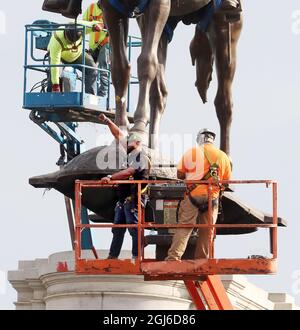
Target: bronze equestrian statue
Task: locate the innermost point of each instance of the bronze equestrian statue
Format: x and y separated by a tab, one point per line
215	38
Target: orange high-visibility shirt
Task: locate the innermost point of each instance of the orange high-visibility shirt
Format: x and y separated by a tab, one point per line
195	166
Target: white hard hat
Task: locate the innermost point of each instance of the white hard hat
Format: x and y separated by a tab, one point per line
206	135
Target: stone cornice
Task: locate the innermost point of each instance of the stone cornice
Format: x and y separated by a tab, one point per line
40	286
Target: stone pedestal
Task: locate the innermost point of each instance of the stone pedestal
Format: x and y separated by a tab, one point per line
41	285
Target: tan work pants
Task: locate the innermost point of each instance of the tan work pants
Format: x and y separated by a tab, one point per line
189	214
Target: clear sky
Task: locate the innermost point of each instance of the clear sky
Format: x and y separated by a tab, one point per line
265	137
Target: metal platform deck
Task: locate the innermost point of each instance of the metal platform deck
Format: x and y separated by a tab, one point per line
68	107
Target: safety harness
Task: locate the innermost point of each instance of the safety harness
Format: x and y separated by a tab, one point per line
92	17
122	9
214	167
65	49
213	173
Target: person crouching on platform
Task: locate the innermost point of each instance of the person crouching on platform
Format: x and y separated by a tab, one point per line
136	167
66	46
202	163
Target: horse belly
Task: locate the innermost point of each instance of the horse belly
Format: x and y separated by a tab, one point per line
184	7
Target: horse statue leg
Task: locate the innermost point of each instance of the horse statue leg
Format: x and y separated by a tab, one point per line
154	21
225	37
120	68
158	89
158	95
202	57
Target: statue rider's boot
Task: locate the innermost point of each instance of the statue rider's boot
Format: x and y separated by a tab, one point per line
230	5
230	10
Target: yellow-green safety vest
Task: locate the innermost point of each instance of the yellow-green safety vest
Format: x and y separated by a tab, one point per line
60	49
94	13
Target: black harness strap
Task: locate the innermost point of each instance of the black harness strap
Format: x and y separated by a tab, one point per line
203	208
64	49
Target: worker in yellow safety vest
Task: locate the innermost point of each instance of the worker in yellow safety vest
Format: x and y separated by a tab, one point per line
66	46
99	46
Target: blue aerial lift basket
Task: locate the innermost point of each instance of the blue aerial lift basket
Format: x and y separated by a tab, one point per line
73	104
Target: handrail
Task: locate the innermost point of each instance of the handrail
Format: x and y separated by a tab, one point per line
48	29
81	185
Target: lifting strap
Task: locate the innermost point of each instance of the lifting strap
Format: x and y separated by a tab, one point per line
121	8
141	7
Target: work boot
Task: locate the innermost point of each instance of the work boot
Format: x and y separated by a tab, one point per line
111	258
171	259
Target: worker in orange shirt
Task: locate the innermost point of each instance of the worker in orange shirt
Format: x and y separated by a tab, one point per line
202	163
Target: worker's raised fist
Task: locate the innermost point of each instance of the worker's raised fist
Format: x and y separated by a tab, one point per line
56	88
103	119
98	27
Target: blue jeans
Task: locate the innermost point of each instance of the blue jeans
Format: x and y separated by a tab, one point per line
90	74
101	58
125	214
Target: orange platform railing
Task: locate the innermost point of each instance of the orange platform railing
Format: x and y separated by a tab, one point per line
181	270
